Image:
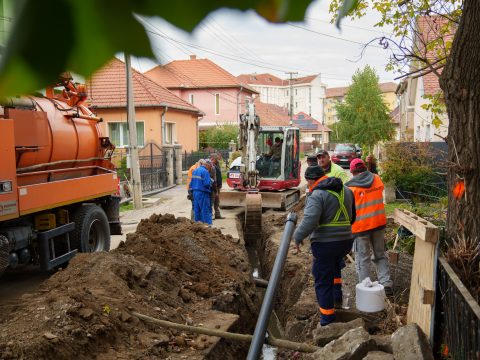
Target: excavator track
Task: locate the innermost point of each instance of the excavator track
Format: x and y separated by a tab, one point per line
253	218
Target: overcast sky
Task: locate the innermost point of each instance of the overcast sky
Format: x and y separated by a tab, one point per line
243	42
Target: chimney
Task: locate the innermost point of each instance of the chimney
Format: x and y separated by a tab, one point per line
193	57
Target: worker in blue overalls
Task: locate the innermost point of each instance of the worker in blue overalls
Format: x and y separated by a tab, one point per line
328	215
201	186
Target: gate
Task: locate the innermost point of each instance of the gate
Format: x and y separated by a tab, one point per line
153	168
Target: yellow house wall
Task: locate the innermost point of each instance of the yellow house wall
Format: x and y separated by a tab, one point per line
185	128
390	99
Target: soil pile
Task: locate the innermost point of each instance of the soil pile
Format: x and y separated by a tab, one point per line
171	269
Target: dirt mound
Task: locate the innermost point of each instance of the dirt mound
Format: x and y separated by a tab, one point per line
171	269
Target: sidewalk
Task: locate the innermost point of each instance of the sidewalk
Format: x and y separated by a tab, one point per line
173	201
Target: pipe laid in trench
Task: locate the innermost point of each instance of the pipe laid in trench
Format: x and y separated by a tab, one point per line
267	305
228	335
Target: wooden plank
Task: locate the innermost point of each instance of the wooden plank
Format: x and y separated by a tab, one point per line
421	228
422	278
422	297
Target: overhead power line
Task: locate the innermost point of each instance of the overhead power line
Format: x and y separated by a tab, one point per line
333	36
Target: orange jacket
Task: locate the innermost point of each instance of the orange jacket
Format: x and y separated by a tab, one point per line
369	206
189	174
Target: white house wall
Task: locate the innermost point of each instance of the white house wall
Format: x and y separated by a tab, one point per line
307	98
424	130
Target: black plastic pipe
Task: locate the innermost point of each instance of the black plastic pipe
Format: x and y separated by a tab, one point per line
267	305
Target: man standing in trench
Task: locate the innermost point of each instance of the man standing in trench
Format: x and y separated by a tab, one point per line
328	215
369	227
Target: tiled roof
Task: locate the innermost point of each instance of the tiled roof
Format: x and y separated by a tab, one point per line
194	73
272	80
261	79
108	88
271	115
305	79
430	28
395	115
341	91
306	123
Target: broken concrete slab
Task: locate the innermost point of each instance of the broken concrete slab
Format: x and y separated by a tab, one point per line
409	342
322	335
384	343
353	345
378	355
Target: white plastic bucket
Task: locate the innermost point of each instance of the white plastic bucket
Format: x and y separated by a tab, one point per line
370	298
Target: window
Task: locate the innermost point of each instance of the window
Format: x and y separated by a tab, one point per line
287	92
310	95
310	111
169	133
296	105
190	99
118	132
427	133
217	104
296	91
318	137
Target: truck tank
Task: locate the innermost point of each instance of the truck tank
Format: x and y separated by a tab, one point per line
49	134
57	184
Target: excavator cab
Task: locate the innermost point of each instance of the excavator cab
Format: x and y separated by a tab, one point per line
278	160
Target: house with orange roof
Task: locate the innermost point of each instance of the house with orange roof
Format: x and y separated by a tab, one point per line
337	94
156	109
308	92
207	86
271	114
416	122
311	131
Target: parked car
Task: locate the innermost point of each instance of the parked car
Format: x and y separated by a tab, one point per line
345	153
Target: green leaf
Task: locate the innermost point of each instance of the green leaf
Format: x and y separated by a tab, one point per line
49	37
437	122
347	7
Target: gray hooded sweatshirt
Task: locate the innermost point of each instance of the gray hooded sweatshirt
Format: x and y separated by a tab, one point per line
363	180
320	208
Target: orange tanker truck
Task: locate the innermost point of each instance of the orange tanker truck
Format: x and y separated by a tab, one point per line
57	184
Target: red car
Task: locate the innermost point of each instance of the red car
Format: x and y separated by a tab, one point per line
344	154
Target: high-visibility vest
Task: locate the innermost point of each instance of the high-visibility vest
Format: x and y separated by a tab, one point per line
190	172
342	210
369	206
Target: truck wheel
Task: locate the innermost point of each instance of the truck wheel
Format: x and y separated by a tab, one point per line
92	232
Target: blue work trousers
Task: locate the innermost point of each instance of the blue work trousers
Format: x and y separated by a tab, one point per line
327	265
202	207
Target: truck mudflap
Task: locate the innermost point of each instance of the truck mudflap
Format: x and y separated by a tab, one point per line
47	241
278	200
112	210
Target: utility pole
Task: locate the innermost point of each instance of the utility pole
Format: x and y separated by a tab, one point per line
132	135
290	81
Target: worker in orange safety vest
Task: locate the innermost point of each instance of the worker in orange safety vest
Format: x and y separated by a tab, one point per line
369	227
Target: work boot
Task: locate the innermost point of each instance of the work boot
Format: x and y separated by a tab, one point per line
219	216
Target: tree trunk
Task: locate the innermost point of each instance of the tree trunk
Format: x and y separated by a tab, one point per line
460	82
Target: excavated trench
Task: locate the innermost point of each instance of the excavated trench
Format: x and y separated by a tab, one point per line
295	304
